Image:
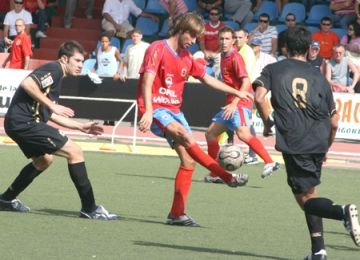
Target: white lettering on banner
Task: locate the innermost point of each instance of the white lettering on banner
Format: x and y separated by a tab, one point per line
348	108
10	80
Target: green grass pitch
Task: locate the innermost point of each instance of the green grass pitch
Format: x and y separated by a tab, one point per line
258	221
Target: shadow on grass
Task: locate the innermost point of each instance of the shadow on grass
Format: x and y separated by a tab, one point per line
56	212
173	178
207	250
343	248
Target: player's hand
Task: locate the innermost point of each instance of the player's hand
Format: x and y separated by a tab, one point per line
229	111
325	158
145	122
267	128
62	110
245	95
92	128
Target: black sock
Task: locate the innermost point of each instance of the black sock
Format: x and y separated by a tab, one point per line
25	177
324	208
82	183
315	226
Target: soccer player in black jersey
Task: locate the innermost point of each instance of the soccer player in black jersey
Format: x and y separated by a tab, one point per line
306	121
33	105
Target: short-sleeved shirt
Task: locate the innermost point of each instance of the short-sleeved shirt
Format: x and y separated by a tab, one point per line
249	58
32	6
12	16
327	42
233	70
134	57
20	48
303	103
23	109
210	36
266	38
171	70
120	11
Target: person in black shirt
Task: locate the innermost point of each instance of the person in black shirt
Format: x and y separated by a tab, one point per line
35	103
314	59
305	120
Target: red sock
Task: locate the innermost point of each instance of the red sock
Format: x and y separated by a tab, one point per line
182	187
213	149
259	149
209	163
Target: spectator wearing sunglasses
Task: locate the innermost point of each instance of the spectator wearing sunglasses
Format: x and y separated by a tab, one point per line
290	21
327	38
267	34
18	12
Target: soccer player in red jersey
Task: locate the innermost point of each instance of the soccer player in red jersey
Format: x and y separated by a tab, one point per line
167	65
236	114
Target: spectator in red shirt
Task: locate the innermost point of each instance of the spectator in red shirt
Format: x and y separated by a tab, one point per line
20	49
327	38
37	10
209	43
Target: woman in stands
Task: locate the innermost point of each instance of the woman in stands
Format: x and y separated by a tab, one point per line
108	59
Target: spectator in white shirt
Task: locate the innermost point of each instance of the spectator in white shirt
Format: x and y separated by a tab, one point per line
262	58
134	56
116	14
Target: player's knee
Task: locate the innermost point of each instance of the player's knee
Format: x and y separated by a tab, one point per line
43	162
76	153
209	136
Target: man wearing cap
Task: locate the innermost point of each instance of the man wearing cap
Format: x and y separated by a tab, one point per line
262	58
314	59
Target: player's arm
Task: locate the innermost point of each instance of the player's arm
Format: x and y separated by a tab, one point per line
229	109
263	107
216	84
147	83
33	90
334	120
87	127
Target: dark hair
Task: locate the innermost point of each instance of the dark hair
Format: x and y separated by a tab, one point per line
69	48
226	29
136	30
107	34
246	32
298	40
264	15
291	14
326	18
190	22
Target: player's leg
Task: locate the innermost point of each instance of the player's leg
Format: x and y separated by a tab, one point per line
183	137
302	178
241	121
23	180
177	215
78	174
215	129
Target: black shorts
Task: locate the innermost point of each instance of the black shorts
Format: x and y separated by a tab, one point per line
303	171
38	139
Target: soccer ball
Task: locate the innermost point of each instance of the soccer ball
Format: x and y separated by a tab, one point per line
230	157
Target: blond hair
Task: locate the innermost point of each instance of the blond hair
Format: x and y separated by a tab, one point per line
190	22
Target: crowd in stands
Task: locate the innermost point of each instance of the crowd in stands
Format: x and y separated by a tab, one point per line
335	27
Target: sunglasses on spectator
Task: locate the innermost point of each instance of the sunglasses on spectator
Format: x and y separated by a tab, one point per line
263	21
326	24
214	14
18	3
290	20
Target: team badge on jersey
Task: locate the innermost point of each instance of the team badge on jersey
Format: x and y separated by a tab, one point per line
183	72
46	80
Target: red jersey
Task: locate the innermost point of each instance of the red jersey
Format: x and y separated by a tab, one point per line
210	36
171	70
31	5
233	70
20	48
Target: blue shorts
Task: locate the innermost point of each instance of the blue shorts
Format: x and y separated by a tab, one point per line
242	117
162	118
